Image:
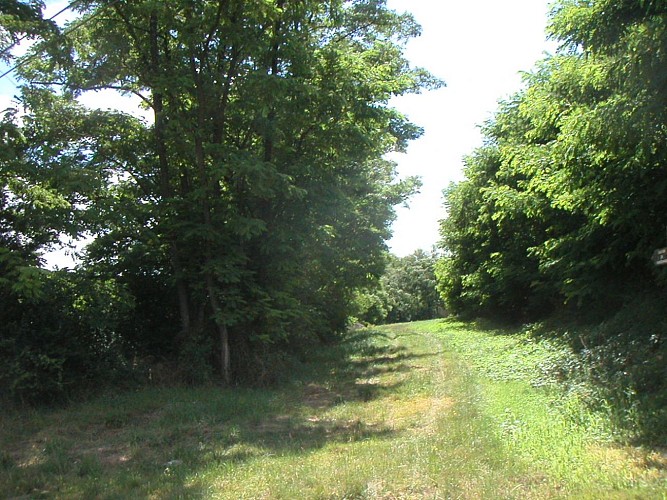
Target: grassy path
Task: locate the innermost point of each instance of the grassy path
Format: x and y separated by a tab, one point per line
400	412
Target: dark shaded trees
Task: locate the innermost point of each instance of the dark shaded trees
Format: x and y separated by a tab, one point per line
256	200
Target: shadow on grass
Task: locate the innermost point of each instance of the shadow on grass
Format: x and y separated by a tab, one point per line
158	442
357	337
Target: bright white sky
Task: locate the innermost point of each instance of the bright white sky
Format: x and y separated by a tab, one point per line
479	48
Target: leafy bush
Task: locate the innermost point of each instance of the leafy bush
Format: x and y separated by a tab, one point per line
616	366
63	340
31	375
194	361
626	357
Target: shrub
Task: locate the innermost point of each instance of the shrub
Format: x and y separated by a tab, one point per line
64	340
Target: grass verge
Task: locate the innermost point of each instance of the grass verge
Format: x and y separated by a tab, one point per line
547	423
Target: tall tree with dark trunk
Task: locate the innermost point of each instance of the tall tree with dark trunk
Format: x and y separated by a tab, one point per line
260	180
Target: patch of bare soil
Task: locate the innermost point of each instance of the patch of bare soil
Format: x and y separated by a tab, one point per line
107	455
319	397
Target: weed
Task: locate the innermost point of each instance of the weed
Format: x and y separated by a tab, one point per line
535	389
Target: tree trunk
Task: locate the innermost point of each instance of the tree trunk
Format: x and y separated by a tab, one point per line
209	190
165	180
223	333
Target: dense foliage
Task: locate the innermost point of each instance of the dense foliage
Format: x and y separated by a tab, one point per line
566	200
239	221
406	291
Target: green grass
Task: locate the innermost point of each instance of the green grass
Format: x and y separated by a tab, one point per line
424	410
546	423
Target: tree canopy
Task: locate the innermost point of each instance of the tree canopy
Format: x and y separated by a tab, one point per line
243	216
565	201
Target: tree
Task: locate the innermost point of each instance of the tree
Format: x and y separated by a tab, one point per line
405	292
258	195
411	286
562	203
21	20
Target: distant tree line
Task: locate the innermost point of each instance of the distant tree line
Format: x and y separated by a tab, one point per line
231	231
406	291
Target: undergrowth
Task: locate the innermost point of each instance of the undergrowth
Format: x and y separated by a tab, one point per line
618	366
615	369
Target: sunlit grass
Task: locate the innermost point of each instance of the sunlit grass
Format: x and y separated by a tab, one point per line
405	435
425	410
545	425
